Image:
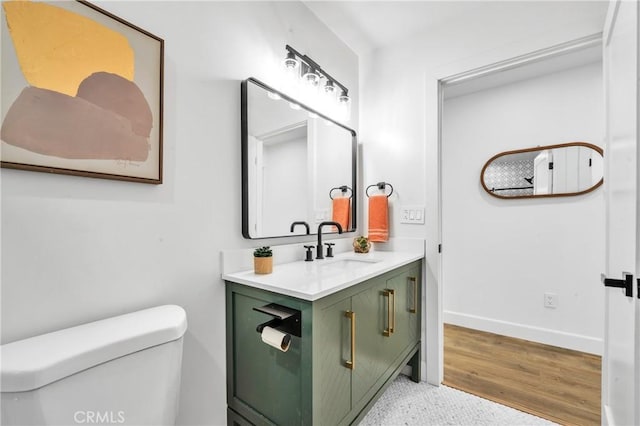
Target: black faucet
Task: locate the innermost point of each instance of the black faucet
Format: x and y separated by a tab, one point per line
319	246
306	225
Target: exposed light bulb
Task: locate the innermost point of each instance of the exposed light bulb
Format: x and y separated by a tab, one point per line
327	102
329	88
273	95
344	106
309	83
291	74
290	62
311	78
344	99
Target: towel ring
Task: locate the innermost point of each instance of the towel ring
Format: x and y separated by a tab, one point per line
381	186
343	189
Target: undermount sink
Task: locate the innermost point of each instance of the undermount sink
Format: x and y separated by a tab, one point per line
347	263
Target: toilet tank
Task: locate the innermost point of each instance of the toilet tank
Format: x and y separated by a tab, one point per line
120	370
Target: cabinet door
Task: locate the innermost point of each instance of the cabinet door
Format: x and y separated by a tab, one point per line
263	378
374	349
331	350
406	288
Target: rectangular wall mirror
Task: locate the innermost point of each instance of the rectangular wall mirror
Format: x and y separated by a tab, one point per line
295	161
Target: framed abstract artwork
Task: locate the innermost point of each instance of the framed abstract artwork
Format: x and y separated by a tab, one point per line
81	92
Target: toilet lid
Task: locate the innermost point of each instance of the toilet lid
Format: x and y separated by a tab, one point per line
37	361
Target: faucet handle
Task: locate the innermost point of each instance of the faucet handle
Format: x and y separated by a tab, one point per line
309	254
329	249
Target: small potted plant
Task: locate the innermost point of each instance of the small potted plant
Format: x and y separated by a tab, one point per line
361	244
263	260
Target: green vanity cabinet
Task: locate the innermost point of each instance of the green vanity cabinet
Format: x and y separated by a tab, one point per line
374	325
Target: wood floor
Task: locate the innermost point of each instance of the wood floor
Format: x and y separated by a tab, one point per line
550	382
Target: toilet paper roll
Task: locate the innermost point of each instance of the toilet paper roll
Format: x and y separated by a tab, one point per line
275	338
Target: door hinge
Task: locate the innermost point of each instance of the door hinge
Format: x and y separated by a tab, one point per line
439	248
551	165
626	283
638	293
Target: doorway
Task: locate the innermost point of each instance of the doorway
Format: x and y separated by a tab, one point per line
503	259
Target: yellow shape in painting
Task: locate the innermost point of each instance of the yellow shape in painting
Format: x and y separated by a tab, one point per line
57	49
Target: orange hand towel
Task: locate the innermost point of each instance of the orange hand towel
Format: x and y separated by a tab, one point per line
342	211
378	218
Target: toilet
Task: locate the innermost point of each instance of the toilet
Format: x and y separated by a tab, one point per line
123	370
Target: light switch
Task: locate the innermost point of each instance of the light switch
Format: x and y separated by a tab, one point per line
412	214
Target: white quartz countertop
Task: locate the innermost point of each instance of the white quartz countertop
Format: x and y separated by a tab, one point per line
315	280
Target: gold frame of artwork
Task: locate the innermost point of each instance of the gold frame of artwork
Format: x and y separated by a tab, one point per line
92	132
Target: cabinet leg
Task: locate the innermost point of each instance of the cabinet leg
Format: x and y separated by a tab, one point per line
414	362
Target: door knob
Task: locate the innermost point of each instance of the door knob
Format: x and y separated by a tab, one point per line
626	283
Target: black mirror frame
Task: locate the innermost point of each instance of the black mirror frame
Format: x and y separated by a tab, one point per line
541	148
244	119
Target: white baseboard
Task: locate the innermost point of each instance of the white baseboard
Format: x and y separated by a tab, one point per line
607	416
423	376
547	336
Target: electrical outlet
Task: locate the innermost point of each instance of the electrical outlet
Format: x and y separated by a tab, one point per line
550	300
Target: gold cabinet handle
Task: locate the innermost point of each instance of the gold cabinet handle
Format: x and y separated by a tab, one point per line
391	318
414	309
351	364
393	324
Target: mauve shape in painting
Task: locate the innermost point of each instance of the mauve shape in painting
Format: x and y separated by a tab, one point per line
117	94
52	123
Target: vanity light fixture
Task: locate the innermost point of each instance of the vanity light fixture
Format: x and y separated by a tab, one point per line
308	76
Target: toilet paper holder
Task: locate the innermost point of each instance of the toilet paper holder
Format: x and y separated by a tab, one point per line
285	319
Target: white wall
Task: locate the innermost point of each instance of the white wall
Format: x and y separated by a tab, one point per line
399	113
79	249
502	255
394	107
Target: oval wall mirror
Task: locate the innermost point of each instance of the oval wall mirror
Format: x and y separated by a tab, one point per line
567	169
